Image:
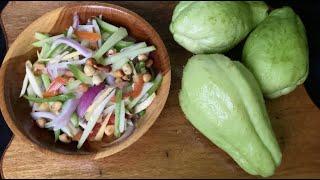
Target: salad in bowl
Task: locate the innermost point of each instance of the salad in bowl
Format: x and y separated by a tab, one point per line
91	83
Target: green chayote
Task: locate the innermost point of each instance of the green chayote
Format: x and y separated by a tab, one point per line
214	26
222	99
276	52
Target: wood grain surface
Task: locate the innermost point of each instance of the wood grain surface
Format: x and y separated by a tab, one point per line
172	148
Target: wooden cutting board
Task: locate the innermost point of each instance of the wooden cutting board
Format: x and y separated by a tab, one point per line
172	148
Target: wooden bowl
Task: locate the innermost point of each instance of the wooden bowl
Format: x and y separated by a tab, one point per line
16	111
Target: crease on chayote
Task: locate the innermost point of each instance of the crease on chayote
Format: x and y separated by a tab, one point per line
214	26
222	99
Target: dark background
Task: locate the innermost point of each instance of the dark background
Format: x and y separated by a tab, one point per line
309	13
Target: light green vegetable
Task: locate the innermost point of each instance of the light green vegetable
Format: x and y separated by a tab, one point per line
36	86
120	45
56	135
214	26
46	40
106	26
62	97
127	54
54	51
40	36
222	99
79	74
276	52
110	42
45	50
117	113
72	85
46	80
156	84
120	63
74	120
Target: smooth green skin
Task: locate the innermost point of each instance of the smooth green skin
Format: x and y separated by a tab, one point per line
222	99
276	52
214	26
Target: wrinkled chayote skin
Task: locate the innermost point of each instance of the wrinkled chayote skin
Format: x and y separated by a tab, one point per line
222	99
214	26
276	52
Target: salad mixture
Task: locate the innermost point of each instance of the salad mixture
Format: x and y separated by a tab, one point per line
90	83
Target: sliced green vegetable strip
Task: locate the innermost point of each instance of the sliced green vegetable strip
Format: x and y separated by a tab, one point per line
120	45
110	42
129	54
141	67
106	26
46	80
45	50
79	74
74	120
62	97
33	80
156	84
47	40
123	44
72	85
136	46
117	113
120	63
41	36
56	135
57	50
141	113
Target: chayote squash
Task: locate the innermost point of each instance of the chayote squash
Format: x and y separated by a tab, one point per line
214	26
276	52
222	99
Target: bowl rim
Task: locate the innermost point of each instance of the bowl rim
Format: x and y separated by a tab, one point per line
90	155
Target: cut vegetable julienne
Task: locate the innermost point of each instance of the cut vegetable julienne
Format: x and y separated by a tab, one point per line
135	46
56	135
74	120
106	26
24	86
72	85
143	105
33	82
127	54
110	42
97	30
122	118
40	36
119	64
145	88
46	80
117	132
79	74
47	40
62	97
70	32
97	100
93	119
44	51
104	124
156	84
120	45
